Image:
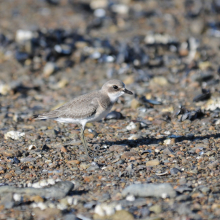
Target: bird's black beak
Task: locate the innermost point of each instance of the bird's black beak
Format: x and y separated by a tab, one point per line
127	91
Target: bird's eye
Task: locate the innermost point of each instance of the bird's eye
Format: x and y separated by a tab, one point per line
115	87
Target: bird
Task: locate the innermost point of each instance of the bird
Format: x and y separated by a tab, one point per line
89	107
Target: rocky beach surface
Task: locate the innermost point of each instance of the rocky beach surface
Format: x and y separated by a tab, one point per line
156	155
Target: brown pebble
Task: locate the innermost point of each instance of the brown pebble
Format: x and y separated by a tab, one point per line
36	198
117	148
211	128
153	162
63	149
8	176
128	155
73	162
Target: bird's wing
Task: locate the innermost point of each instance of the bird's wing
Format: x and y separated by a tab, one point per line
81	107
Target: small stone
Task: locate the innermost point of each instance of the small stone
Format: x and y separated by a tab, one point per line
114	115
156	209
122	214
23	35
128	155
49	69
37	199
100	13
205	190
93	167
4	89
62	83
69	217
17	197
129	80
211	128
120	9
153	162
105	209
31	147
159	80
133	137
15	135
132	126
197	26
95	4
48	213
169	141
174	171
135	103
84	166
73	162
118	148
213	164
63	149
8	176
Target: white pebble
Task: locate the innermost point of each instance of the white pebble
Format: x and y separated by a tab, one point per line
4	89
167	141
51	181
120	9
22	35
17	197
130	198
15	135
131	126
61	206
41	205
30	147
100	13
49	69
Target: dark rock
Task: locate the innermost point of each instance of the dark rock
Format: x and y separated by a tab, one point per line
174	171
114	115
202	97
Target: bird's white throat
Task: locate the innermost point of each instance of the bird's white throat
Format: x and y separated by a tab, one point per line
114	96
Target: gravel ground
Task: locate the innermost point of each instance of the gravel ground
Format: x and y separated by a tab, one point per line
156	155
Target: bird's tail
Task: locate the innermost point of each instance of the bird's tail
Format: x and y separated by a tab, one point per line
39	117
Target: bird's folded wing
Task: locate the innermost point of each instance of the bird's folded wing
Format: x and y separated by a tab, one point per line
76	109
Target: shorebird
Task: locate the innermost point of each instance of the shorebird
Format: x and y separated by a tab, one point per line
90	107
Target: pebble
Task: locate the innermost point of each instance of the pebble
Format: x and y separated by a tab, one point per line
135	104
174	171
159	80
118	148
153	163
49	69
131	126
120	9
128	155
23	35
5	89
156	209
162	190
15	135
114	115
107	209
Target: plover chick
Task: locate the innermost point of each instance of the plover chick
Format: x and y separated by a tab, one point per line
89	107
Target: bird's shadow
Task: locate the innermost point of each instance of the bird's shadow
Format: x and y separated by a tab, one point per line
152	140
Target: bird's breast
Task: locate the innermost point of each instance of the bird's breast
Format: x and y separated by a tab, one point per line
101	113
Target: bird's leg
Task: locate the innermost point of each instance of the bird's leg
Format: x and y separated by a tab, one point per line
83	140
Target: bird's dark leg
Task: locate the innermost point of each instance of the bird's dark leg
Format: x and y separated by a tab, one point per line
83	140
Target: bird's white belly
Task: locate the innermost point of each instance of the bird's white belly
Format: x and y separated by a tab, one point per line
83	120
71	120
